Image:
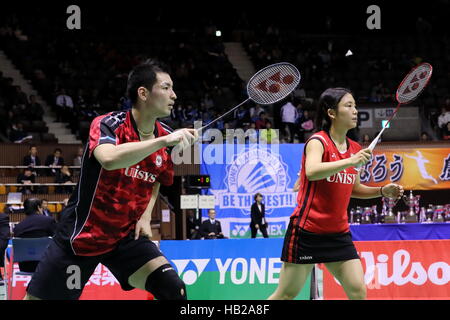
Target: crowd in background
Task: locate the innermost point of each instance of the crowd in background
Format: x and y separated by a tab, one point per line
83	79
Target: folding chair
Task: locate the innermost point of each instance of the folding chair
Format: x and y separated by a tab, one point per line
24	249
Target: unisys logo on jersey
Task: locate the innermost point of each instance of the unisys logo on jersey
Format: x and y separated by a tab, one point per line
343	177
140	174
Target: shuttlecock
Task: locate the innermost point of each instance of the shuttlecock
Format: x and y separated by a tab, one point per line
349	53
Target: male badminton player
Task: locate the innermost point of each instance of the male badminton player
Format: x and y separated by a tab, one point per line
319	231
107	219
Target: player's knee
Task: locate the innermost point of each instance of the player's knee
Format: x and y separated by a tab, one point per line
357	292
30	297
288	294
165	284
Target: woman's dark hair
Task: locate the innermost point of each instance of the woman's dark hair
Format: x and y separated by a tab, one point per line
256	195
32	205
143	75
329	99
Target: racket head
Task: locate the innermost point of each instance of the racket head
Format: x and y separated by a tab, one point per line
414	83
273	83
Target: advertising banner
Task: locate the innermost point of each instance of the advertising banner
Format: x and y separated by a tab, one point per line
228	269
401	270
102	285
414	169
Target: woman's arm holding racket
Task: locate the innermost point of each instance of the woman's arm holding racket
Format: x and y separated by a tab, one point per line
391	190
315	169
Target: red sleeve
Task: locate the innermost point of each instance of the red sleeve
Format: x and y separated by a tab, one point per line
101	132
166	176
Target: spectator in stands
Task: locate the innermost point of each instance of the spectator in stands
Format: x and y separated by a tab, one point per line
306	125
45	210
252	134
255	112
192	226
443	119
64	176
17	134
191	114
207	101
288	116
64	106
32	159
268	135
262	121
4	237
446	132
20	97
35	225
424	136
27	177
34	109
242	117
211	228
77	160
365	139
299	93
54	160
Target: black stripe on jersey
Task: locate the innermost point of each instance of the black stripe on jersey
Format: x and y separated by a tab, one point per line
314	138
89	177
114	119
305	202
166	127
314	193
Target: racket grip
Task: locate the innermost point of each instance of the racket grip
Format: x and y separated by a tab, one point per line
373	143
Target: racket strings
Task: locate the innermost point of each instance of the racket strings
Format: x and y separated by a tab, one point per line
273	83
414	83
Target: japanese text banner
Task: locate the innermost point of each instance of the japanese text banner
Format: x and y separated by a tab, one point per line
414	169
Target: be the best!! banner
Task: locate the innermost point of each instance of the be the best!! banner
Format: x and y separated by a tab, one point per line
238	172
414	169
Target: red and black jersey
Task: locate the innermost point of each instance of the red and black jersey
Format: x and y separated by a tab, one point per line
322	204
106	205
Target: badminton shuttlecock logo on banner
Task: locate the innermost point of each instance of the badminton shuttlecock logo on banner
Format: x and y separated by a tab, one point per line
256	170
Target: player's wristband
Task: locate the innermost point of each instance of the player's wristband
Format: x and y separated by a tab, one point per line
381	192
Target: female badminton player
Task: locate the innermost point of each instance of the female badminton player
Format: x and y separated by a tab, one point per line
319	231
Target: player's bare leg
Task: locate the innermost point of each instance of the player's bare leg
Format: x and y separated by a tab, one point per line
30	297
139	278
351	276
292	279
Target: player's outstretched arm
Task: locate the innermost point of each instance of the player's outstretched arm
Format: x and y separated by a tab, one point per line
318	170
361	191
112	157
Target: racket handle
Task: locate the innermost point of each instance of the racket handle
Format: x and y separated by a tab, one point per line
374	142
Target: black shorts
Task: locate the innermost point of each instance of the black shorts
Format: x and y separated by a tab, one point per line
304	247
52	278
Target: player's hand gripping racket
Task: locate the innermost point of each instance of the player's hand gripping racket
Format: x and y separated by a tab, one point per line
410	88
268	85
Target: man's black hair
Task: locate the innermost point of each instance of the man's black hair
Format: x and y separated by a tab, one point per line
32	205
143	75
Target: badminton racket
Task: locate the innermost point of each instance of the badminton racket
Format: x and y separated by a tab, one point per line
409	89
267	86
